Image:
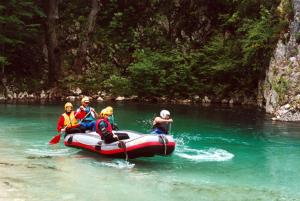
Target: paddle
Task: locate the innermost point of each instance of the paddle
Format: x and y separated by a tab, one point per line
115	127
170	126
56	138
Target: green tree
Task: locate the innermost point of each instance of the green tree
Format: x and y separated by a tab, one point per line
20	27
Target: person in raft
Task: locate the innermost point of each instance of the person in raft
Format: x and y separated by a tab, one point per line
67	122
111	118
88	113
161	125
104	129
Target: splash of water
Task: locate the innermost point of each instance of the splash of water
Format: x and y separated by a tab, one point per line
117	163
211	154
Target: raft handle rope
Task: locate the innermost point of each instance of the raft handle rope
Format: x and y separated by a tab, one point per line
163	138
122	144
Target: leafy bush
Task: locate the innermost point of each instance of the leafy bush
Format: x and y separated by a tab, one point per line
117	85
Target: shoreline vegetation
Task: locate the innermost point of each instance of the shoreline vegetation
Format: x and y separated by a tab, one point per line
228	52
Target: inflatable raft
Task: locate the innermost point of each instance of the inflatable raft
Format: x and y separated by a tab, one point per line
138	145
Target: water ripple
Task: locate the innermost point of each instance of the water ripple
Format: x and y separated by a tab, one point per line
51	152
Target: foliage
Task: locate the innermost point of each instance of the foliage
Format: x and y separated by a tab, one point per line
117	85
151	48
19	30
161	73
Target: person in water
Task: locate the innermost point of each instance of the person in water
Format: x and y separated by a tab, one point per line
111	118
67	122
104	129
161	125
88	113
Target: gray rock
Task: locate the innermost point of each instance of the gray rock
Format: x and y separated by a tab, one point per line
206	100
71	98
22	95
224	101
31	96
120	98
132	97
196	98
76	91
2	97
184	101
100	99
43	95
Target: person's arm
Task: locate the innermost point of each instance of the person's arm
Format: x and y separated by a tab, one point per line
60	123
94	113
161	120
80	114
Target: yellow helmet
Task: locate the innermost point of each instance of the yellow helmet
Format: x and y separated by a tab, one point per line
110	110
68	104
104	112
85	99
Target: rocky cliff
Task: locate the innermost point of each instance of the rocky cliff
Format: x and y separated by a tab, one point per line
280	91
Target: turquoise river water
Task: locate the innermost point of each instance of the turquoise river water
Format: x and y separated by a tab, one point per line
221	154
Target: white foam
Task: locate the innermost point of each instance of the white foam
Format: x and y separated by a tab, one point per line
212	154
119	164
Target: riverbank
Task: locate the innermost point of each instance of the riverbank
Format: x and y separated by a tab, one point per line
286	112
56	94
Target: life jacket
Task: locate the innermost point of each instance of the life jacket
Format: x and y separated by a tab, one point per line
91	116
164	127
70	120
111	119
108	128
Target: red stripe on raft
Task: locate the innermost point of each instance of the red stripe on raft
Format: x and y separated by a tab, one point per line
120	150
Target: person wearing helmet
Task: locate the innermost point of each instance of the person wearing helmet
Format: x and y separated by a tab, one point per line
161	125
111	118
104	128
67	122
88	113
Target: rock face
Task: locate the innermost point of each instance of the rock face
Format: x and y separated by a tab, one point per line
281	87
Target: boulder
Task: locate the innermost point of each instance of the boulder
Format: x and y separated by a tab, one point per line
31	96
43	95
206	100
120	98
196	98
2	97
76	91
224	101
133	97
100	99
71	98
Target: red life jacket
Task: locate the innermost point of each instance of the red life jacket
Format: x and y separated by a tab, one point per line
109	127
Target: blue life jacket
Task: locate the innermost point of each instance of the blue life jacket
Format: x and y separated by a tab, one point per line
91	116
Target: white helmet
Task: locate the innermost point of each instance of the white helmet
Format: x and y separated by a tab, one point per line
164	114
